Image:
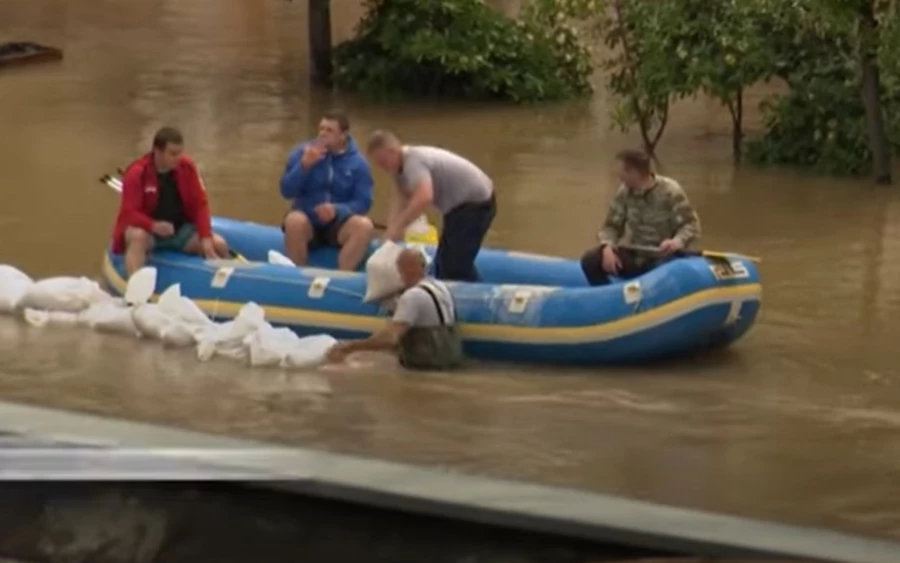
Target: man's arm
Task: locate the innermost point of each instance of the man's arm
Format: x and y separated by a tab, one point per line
132	202
294	179
614	226
384	339
362	194
421	195
686	217
202	218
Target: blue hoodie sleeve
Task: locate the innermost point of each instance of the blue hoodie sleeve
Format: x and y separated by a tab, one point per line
294	179
362	192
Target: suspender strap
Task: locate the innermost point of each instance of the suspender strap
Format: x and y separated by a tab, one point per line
437	304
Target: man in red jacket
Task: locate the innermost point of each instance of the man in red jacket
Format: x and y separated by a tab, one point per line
164	206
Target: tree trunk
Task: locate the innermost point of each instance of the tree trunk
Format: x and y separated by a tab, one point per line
736	108
319	29
871	95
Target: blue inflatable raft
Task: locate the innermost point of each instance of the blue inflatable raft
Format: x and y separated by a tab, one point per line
530	308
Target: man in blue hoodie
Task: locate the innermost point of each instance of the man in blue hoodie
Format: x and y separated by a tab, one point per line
329	185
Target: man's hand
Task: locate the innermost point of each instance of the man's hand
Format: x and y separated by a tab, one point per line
393	233
325	212
611	262
671	246
337	353
163	229
312	154
209	248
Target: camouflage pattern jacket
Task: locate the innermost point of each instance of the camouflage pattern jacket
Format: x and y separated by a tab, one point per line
651	216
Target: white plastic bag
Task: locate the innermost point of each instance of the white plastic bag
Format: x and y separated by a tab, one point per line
185	322
149	320
114	316
68	294
14	283
309	351
382	277
181	309
178	335
280	259
227	339
270	346
40	317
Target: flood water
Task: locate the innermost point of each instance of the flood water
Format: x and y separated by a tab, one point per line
799	422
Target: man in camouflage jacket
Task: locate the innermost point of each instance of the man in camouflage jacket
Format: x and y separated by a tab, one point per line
654	211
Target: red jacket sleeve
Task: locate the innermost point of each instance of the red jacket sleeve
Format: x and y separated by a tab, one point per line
132	205
201	219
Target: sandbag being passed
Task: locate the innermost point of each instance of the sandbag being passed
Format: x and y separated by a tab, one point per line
382	277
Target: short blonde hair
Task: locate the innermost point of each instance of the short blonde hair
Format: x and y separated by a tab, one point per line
382	138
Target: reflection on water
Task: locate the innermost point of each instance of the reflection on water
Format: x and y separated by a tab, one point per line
799	422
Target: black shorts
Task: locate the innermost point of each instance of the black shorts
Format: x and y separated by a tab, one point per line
323	235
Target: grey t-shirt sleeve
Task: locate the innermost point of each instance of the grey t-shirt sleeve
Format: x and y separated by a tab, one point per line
414	171
412	307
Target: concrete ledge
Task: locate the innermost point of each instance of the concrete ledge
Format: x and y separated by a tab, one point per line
567	515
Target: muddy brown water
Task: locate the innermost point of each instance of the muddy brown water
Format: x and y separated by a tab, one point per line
798	422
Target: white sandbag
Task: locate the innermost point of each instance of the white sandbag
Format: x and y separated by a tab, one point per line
280	259
227	339
68	294
141	286
180	309
149	320
382	277
309	351
14	283
41	318
178	335
268	346
114	316
271	346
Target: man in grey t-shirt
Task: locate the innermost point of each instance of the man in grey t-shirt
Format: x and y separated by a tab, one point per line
430	176
423	325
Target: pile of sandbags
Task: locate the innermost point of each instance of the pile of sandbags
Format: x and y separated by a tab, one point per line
173	320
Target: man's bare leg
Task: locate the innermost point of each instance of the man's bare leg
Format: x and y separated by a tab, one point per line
298	232
354	238
138	243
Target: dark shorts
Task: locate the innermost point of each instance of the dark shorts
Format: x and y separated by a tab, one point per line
177	241
463	231
323	235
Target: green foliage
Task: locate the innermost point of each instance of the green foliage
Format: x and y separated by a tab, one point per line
464	49
670	49
663	50
820	123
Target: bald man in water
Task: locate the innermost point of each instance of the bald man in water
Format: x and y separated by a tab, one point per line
423	327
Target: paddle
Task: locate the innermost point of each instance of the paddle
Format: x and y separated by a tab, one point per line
703	253
429	236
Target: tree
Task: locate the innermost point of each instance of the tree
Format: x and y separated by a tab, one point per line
723	46
834	116
717	47
643	77
462	49
320	49
871	90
